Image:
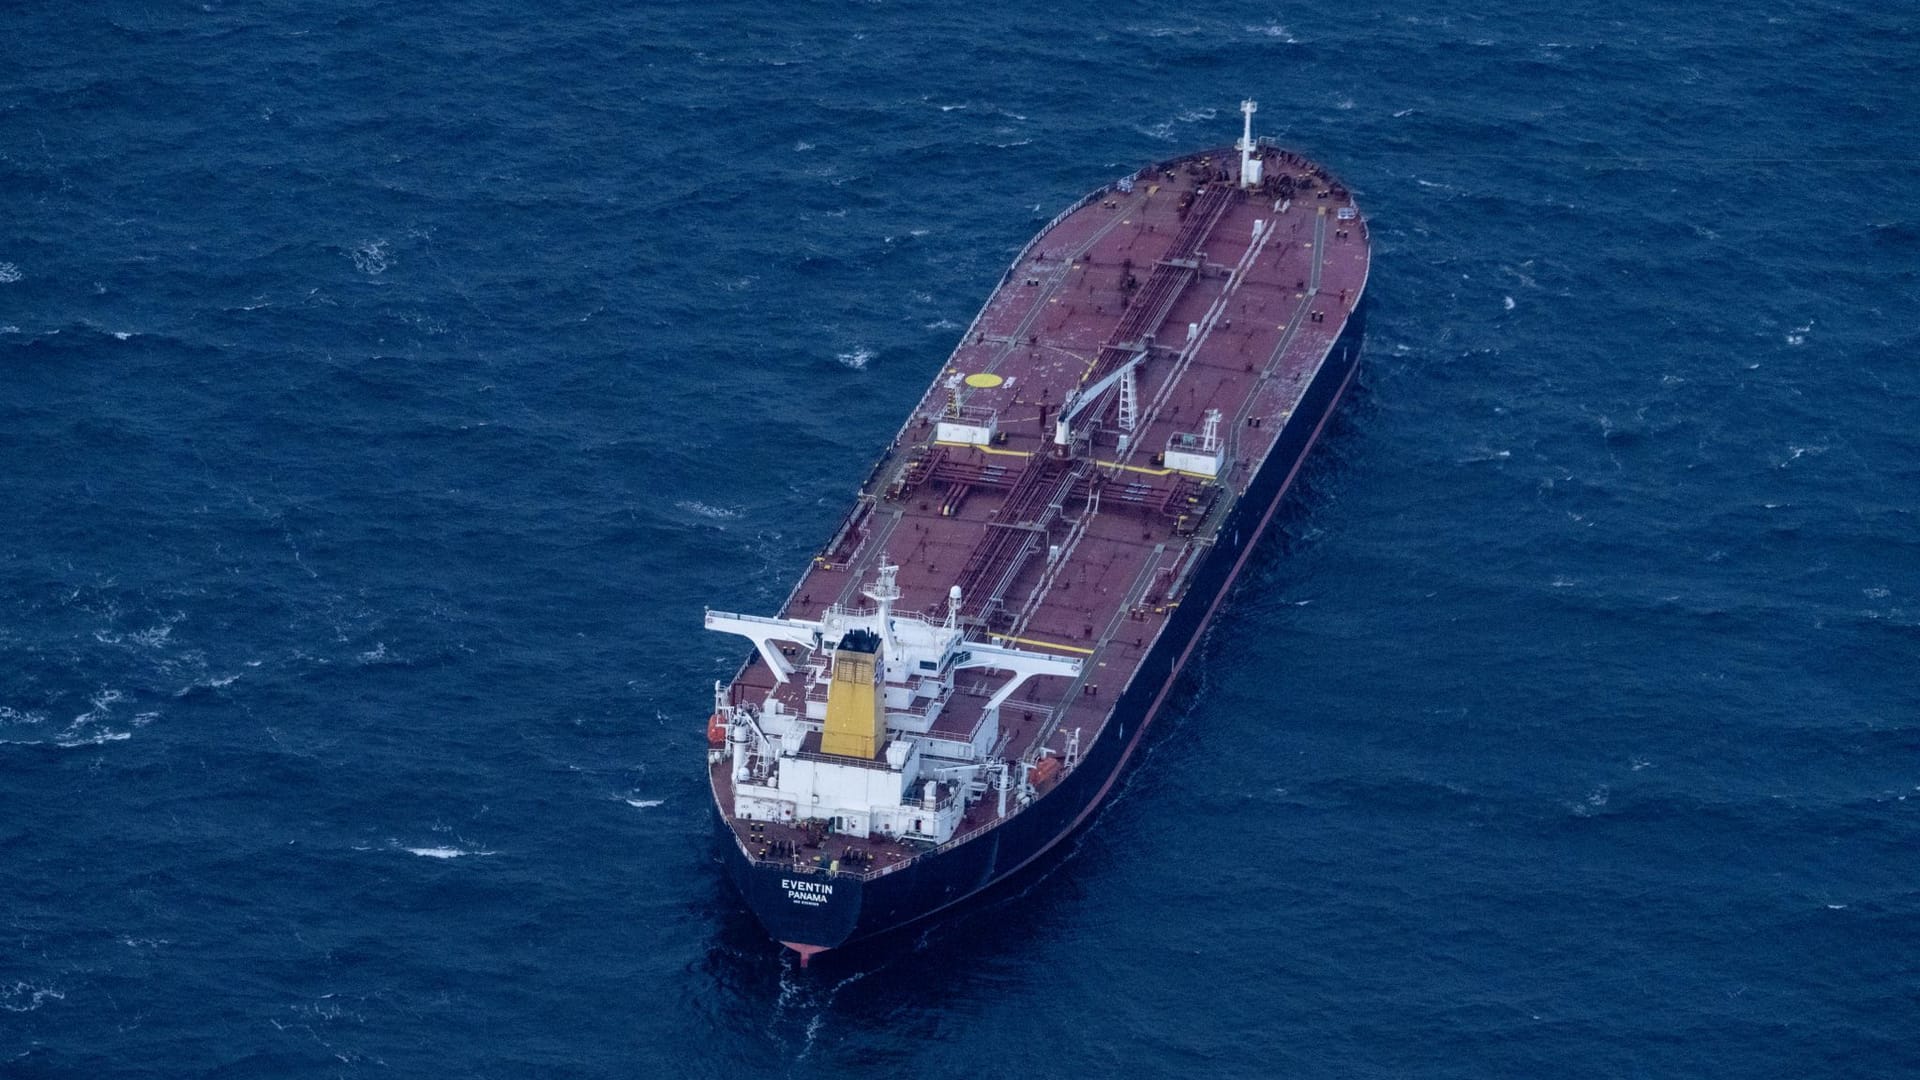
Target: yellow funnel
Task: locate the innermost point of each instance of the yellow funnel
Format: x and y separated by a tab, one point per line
856	699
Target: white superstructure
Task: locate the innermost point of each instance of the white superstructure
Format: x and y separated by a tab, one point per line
871	748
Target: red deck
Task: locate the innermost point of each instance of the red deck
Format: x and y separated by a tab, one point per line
1179	249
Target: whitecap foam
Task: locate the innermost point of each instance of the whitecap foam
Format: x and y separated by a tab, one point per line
152	637
1595	802
643	804
102	703
370	257
1486	454
718	513
10	715
856	357
66	742
1795	453
9	273
23	996
442	852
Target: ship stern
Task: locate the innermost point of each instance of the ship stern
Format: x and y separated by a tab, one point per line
808	909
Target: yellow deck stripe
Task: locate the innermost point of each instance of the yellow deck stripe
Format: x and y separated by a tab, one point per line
983	449
1049	645
1133	468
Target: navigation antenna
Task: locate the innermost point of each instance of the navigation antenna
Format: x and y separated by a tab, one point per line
884	591
1249	167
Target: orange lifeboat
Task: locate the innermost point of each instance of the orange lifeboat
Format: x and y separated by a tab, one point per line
1044	770
716	730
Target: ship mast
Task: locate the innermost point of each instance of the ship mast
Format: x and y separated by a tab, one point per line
1249	165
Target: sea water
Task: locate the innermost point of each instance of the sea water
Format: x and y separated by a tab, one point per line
385	389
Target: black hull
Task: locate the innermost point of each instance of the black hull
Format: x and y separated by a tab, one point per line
815	911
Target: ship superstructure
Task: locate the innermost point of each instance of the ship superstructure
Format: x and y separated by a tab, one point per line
860	741
959	675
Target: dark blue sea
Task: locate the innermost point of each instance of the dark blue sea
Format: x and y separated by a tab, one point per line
385	388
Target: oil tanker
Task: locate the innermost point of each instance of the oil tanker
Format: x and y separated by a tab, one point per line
956	681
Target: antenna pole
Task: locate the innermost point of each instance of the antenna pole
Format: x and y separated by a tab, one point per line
1249	168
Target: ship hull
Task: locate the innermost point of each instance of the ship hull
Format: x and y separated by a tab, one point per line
814	911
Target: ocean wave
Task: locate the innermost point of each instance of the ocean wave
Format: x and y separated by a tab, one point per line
1164	31
371	257
9	715
1564	688
1274	30
442	851
705	510
24	996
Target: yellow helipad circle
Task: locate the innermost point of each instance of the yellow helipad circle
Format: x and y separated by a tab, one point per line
984	380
